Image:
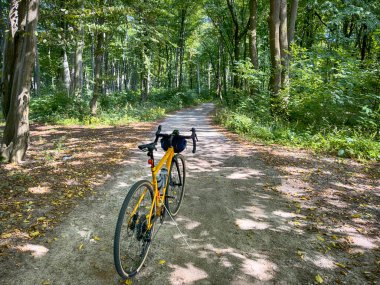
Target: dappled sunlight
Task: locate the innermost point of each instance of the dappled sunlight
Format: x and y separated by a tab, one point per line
283	214
261	269
36	250
321	261
343	186
39	190
201	165
188	223
187	274
364	242
244	173
246	224
254	211
225	262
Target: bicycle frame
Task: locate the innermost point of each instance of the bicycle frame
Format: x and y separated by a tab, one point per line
158	199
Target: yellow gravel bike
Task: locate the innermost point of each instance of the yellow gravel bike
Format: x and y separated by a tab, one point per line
149	201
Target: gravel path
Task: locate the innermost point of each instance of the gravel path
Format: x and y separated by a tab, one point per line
239	229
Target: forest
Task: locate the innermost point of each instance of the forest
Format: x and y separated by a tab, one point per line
283	187
298	73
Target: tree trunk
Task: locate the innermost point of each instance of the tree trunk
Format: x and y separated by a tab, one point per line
169	67
209	77
17	74
78	66
3	27
253	33
37	72
181	47
292	21
198	77
98	81
144	75
218	74
274	42
236	42
284	45
66	71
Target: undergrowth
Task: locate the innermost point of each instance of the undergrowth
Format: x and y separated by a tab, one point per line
116	109
342	142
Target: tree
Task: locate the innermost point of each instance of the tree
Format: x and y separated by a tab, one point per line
19	50
292	21
99	53
253	33
275	53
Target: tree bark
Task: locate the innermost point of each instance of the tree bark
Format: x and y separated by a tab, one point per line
284	45
37	70
144	75
3	27
275	51
78	66
218	78
253	33
17	74
181	47
236	42
198	78
66	71
98	54
292	21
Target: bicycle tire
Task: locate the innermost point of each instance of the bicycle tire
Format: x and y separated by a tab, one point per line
133	230
176	185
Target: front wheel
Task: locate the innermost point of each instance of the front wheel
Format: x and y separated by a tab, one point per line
132	236
176	186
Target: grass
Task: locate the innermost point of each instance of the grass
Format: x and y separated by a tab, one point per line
339	142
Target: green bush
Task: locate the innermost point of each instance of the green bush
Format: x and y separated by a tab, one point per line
57	106
343	142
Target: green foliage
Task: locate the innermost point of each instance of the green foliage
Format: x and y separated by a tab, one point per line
330	88
343	142
115	109
57	106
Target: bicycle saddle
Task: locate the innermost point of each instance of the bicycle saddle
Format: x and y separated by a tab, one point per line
148	147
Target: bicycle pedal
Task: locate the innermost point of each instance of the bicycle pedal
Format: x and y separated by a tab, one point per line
170	197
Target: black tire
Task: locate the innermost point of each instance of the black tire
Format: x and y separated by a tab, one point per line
176	186
132	239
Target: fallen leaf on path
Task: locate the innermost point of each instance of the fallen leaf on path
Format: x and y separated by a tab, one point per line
319	279
34	234
8	235
162	262
96	238
340	265
80	247
128	282
320	238
300	254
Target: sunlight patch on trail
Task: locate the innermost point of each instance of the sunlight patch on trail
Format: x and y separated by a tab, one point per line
246	224
36	250
244	174
261	269
186	275
39	190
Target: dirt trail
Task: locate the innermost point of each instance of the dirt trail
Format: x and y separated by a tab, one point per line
247	222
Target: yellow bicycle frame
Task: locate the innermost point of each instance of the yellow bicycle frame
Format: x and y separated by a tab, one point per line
158	199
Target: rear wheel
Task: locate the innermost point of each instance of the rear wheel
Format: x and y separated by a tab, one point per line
176	186
132	236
